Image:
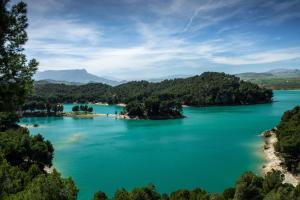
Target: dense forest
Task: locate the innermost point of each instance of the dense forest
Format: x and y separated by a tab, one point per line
155	107
288	135
24	158
248	187
162	100
42	109
209	88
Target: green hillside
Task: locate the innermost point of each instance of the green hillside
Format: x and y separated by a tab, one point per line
280	79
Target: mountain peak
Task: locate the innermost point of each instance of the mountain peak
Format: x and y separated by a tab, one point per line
72	75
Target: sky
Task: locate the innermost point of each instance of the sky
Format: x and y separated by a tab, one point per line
142	39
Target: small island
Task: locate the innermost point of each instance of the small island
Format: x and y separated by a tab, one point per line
81	111
154	107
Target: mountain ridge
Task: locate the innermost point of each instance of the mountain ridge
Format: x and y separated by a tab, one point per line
79	76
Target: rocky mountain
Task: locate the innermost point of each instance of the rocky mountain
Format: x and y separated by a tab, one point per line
72	76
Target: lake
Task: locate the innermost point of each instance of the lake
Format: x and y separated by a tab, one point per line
210	148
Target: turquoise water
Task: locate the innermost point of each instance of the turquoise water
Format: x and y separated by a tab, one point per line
209	148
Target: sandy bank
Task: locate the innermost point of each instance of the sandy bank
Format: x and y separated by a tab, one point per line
48	170
92	115
31	126
273	159
100	103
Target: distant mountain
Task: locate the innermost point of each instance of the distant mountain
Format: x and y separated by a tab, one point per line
274	79
284	71
274	73
76	76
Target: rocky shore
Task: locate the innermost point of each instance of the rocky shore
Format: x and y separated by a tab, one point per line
273	160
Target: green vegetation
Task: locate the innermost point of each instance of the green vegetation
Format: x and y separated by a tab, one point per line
159	100
288	135
41	109
22	162
280	79
248	187
83	108
279	83
15	71
23	158
210	88
155	107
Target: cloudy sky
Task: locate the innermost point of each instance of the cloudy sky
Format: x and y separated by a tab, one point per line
136	39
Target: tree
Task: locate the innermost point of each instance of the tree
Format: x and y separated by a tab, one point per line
121	194
135	109
248	186
273	180
100	196
60	108
288	136
90	109
75	108
51	186
15	71
84	108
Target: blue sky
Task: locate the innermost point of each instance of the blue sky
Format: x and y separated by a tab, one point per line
140	39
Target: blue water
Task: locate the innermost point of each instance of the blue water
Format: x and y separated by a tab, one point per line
209	148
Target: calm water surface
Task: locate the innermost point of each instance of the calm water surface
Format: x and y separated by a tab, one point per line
209	148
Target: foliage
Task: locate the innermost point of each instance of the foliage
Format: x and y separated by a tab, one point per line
22	162
23	157
35	108
159	100
155	107
288	135
15	70
83	108
210	88
100	196
248	187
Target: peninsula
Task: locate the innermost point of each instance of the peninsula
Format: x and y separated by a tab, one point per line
162	100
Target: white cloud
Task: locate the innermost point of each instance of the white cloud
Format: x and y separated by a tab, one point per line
66	42
63	31
263	57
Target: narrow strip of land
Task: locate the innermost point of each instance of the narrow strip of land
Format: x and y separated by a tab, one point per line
274	161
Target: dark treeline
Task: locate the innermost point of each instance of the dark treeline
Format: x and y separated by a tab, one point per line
288	134
39	108
23	158
210	88
162	100
248	187
155	107
83	108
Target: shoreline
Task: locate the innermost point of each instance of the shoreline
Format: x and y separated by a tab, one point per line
92	115
273	161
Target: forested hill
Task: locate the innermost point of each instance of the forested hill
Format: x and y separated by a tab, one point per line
209	88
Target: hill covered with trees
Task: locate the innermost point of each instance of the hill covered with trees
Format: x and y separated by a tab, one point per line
288	135
209	88
23	157
277	79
